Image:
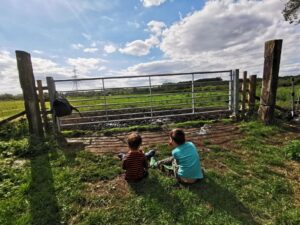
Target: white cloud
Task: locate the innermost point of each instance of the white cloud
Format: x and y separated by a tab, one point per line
137	48
150	3
152	41
93	44
156	27
231	34
77	46
38	52
110	48
142	47
85	66
43	67
107	18
133	24
102	68
87	36
8	73
90	50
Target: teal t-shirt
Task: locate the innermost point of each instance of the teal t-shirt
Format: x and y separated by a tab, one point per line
188	161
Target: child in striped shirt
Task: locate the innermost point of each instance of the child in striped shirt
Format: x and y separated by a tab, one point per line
135	162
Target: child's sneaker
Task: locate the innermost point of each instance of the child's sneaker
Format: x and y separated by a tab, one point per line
121	155
153	162
151	153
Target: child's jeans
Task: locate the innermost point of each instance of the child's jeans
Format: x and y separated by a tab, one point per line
170	164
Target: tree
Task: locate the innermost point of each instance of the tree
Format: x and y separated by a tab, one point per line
291	10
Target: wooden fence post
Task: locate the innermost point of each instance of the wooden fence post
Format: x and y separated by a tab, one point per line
29	93
252	94
244	92
236	92
293	97
52	95
270	80
43	105
230	87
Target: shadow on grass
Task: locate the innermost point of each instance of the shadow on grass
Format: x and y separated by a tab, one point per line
43	201
151	189
70	152
223	200
207	191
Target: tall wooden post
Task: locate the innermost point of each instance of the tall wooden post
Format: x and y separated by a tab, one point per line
42	104
230	94
236	92
293	97
31	103
252	94
244	92
52	96
270	80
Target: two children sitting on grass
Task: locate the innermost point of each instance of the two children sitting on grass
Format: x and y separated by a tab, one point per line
184	162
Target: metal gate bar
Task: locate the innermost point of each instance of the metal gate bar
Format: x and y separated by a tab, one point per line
171	98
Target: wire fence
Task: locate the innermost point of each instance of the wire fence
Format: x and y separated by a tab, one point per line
128	98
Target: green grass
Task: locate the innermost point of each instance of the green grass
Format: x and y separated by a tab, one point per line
52	183
183	100
216	98
111	131
10	107
283	97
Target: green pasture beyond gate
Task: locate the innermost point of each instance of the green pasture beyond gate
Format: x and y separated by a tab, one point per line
11	107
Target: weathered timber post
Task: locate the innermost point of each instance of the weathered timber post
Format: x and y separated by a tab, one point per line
31	102
251	94
293	97
236	92
244	92
52	96
270	80
43	105
230	94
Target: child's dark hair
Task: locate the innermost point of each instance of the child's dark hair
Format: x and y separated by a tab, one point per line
178	136
134	141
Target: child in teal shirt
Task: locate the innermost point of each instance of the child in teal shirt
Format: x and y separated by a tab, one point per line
185	159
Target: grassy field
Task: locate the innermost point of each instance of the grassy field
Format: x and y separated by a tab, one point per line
184	100
256	181
10	107
216	97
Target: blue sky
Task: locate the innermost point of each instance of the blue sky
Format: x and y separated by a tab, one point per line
121	37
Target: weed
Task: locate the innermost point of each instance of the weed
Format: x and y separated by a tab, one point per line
292	150
64	184
194	123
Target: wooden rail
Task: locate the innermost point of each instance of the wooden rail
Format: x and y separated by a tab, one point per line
2	122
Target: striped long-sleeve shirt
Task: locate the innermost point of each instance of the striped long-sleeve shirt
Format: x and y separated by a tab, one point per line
135	163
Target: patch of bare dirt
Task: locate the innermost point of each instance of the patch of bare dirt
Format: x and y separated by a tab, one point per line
117	187
217	134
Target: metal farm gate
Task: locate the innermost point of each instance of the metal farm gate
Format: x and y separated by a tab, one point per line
131	98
